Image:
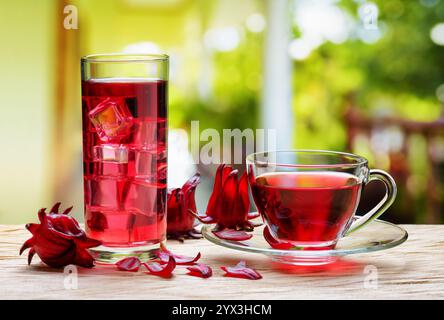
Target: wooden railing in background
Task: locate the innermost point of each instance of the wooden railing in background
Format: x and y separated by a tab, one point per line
397	150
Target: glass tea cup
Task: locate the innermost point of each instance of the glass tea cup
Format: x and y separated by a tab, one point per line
308	198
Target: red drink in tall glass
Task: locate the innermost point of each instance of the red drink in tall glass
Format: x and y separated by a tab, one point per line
124	116
125	160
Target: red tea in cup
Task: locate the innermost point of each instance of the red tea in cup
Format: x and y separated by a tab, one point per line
308	198
306	207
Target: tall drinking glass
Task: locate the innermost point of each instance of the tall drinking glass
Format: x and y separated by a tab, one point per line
124	117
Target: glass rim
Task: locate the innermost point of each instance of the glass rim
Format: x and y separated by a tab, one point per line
124	57
359	160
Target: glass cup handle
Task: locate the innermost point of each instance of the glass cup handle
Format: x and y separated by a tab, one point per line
383	205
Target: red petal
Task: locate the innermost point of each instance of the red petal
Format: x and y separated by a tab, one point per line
188	190
51	247
67	210
131	264
42	214
83	258
242	205
30	255
32	227
62	259
86	243
229	217
243	193
213	206
65	226
173	201
164	257
172	198
230	186
241	271
200	270
55	208
233	235
26	245
225	173
275	243
161	270
191	183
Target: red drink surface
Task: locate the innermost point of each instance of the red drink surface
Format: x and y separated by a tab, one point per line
125	160
306	207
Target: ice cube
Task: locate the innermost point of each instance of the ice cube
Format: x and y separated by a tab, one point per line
139	219
111	119
111	153
147	164
102	192
110	160
149	198
110	169
150	132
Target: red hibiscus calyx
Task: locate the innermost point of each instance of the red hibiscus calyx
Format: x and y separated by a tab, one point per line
181	201
229	204
58	240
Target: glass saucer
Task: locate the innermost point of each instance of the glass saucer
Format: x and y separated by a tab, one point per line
377	235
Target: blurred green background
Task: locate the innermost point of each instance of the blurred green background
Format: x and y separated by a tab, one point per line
366	77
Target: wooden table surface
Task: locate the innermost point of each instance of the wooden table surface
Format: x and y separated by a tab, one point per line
414	270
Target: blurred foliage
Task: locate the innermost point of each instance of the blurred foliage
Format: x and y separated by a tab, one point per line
394	72
399	73
235	90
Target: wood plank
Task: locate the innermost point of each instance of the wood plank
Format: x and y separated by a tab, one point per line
413	270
